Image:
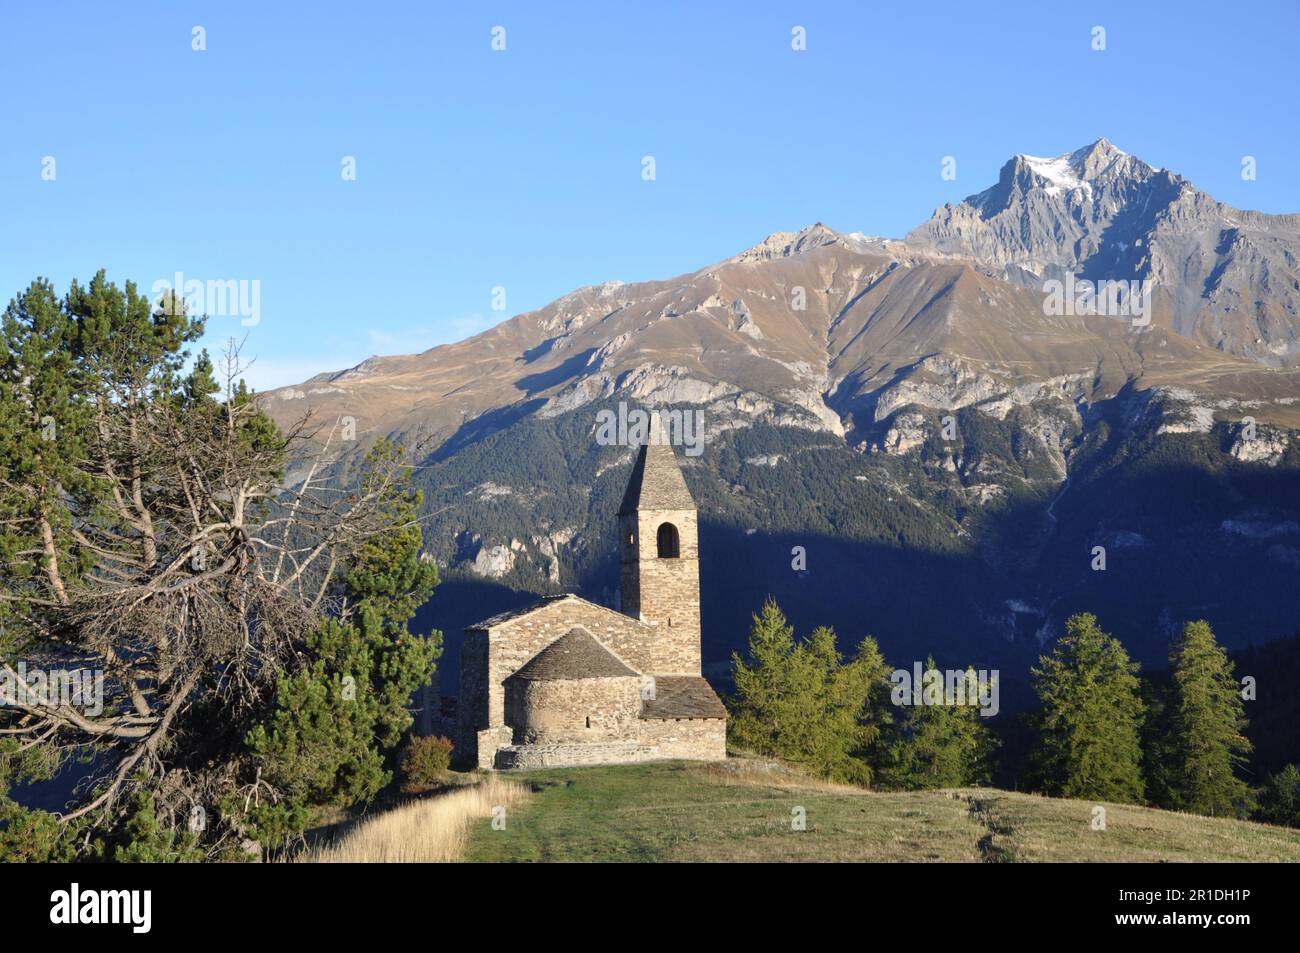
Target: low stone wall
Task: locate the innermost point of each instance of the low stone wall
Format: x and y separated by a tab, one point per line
516	757
668	739
694	739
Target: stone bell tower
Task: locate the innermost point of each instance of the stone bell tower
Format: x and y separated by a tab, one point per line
659	573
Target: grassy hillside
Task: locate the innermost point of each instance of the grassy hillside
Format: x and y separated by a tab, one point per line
742	811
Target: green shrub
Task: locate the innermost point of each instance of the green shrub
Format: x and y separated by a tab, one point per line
425	761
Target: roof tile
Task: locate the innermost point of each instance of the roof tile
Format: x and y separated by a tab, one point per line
578	654
683	696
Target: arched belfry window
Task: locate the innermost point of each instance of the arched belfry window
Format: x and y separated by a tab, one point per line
669	545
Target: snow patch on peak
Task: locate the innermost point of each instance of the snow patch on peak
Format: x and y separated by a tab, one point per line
1078	170
1061	171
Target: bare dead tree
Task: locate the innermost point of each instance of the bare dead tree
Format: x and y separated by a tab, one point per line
171	556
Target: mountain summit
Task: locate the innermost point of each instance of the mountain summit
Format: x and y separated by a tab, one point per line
1227	278
1096	163
1051	214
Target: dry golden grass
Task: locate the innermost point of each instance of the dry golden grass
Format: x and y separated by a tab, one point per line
428	831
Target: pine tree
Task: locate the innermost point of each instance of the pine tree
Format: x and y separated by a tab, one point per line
1088	727
337	722
42	425
850	710
28	835
252	632
941	745
1278	801
761	703
1207	724
801	701
1158	757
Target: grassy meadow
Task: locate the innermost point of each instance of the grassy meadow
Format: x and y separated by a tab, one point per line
744	811
751	810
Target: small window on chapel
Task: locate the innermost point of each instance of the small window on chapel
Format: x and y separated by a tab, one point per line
669	546
588	721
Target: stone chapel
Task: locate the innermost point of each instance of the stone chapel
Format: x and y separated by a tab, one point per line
569	682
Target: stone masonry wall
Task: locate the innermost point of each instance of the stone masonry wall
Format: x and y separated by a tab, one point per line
664	593
472	705
512	643
516	757
687	739
488	742
515	641
489	657
581	710
694	739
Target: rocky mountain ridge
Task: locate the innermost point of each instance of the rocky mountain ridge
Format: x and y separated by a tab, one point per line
830	331
1228	278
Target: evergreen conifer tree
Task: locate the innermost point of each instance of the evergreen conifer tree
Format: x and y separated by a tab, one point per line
803	702
1207	724
1088	727
942	746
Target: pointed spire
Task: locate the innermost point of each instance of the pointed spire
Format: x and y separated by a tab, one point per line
657	482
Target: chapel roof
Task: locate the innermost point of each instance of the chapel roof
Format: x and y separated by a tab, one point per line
509	614
577	654
683	696
546	602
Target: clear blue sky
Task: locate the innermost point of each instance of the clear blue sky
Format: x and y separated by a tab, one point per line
522	168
